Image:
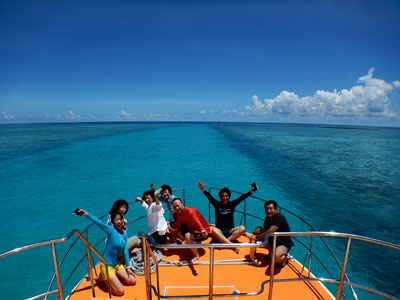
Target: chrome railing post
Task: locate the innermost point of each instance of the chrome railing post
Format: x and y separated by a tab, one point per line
272	266
245	213
89	266
59	285
309	257
346	257
147	269
211	282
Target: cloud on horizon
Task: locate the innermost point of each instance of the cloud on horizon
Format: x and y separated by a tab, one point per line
370	99
6	116
356	105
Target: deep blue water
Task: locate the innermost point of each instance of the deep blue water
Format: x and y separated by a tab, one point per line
344	180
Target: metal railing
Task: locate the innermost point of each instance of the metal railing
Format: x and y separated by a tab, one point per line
98	242
59	290
310	253
341	282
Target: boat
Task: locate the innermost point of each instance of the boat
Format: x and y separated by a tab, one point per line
163	271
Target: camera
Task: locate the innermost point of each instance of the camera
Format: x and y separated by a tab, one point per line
258	230
78	212
254	186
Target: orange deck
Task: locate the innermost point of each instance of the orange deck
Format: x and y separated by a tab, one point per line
194	279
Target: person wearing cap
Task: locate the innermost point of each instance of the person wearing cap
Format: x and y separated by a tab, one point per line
224	210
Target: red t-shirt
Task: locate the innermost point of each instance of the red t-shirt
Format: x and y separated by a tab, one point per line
193	219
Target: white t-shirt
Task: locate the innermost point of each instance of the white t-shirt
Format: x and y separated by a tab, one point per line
155	218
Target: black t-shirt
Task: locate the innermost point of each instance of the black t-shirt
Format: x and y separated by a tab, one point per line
283	226
224	213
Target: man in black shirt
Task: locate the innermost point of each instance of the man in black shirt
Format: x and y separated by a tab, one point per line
224	210
274	222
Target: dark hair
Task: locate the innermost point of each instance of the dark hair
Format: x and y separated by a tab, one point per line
177	199
166	187
149	192
117	204
114	214
269	202
224	190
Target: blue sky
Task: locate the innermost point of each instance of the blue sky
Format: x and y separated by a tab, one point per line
331	62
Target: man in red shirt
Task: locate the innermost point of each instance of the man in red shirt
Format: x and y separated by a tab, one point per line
195	222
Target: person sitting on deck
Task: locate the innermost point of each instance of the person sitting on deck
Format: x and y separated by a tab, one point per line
196	225
224	210
158	227
167	197
274	222
117	243
122	207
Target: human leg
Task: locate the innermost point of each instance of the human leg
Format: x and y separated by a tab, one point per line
126	277
236	233
115	284
217	233
253	249
189	237
133	242
281	254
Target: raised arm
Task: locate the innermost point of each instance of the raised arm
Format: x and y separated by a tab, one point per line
253	189
201	186
156	196
142	202
106	228
208	195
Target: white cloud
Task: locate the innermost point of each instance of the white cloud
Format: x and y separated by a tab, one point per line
6	116
157	115
369	99
202	112
125	114
72	116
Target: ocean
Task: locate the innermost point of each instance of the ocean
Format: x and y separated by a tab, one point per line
343	179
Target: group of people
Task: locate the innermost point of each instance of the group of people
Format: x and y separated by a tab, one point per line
184	224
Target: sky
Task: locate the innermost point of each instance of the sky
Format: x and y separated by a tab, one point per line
330	62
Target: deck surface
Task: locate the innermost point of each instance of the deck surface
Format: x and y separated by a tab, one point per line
193	279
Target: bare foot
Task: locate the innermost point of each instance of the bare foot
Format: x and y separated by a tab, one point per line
194	258
237	250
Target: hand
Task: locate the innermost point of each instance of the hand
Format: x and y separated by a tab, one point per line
254	188
201	186
152	186
158	191
257	231
80	212
138	199
204	233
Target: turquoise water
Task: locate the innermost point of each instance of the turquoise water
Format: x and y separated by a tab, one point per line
342	180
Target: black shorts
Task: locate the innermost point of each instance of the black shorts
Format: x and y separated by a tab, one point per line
160	239
198	237
226	231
